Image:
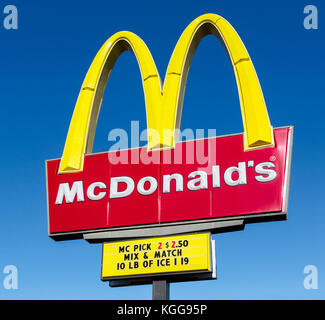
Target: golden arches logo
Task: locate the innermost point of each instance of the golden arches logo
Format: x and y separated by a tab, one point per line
164	103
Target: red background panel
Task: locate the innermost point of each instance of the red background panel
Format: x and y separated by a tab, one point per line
78	215
158	207
253	197
188	204
136	208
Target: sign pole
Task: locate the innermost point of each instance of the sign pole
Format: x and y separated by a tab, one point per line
160	290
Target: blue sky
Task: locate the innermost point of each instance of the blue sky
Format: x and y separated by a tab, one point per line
42	66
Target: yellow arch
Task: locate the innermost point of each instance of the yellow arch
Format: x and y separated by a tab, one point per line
164	108
84	119
257	129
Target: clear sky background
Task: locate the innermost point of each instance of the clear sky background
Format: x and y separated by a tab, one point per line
42	66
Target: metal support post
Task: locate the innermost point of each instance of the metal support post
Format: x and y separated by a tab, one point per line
160	290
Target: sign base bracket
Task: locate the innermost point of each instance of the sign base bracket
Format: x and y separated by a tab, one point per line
164	230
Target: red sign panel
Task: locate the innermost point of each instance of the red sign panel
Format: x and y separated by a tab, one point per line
204	179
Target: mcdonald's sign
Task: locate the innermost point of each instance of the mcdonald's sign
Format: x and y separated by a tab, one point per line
245	178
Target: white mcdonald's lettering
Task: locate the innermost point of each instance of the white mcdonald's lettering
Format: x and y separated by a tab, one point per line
123	186
114	193
70	194
91	191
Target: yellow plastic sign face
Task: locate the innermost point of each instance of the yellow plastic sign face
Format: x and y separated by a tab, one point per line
164	102
156	256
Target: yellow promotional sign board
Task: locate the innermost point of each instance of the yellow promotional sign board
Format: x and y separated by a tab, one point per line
157	256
